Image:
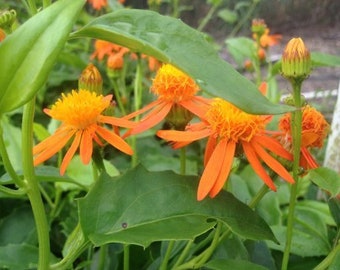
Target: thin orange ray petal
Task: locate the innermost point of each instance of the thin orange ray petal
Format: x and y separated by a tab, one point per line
114	140
86	147
70	152
273	145
273	163
256	164
177	145
211	172
199	109
151	119
115	121
54	145
182	136
311	163
211	144
144	109
59	135
227	162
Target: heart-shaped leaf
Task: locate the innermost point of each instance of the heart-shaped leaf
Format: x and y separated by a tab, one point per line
140	207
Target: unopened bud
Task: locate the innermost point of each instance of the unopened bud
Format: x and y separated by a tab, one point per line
90	79
296	60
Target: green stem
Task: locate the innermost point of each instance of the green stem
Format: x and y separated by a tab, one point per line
75	245
7	163
33	191
209	251
46	3
167	255
32	7
183	254
259	195
117	95
207	18
137	103
102	256
244	18
126	257
296	127
13	192
175	8
183	158
329	259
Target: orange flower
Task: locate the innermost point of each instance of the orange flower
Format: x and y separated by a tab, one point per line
175	90
227	126
81	115
314	131
2	35
98	4
115	53
267	40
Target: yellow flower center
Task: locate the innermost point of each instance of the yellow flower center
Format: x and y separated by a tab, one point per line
230	122
79	109
173	85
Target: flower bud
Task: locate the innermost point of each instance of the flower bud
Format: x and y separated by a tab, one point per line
179	117
296	60
90	79
7	19
258	27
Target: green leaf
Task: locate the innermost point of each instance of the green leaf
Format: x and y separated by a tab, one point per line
18	256
325	60
304	243
326	179
221	264
172	41
334	207
140	207
241	48
28	54
18	227
228	15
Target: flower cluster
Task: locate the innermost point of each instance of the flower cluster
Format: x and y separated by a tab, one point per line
230	131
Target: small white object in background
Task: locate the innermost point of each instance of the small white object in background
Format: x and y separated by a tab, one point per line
332	155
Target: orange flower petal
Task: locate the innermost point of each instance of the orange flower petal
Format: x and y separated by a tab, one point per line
121	122
144	109
211	144
273	163
307	161
211	172
151	120
182	136
196	105
50	146
273	145
227	162
256	164
60	135
70	153
86	147
114	140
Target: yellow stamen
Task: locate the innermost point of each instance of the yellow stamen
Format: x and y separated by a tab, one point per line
173	85
230	122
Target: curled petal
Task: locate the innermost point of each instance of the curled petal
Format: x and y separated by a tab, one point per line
256	164
273	163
